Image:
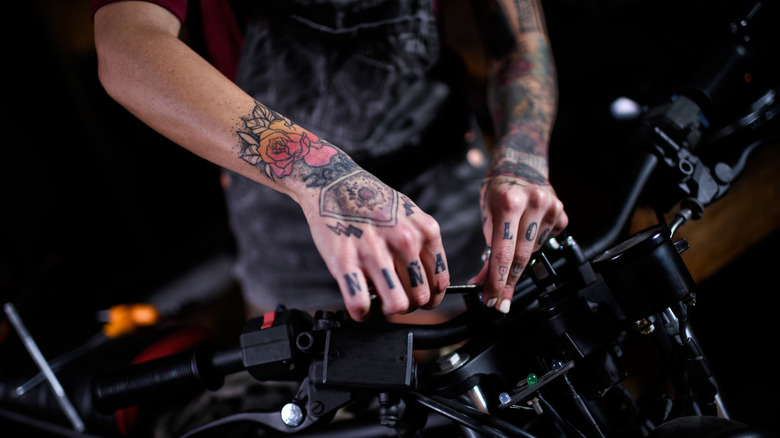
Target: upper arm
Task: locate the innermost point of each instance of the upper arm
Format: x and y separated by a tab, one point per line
130	19
506	24
525	16
126	34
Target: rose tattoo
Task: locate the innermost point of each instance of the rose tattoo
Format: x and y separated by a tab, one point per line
274	144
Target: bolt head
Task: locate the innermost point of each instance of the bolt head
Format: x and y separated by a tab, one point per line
292	415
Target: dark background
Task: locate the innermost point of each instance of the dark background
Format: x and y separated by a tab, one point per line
97	209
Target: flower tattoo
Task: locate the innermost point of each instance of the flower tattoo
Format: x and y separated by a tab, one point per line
274	144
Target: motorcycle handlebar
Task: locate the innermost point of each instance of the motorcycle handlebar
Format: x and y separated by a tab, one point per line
199	368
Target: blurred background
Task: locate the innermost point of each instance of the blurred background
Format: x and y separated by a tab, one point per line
97	209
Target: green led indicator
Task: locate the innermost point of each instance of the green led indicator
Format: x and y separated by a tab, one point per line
532	380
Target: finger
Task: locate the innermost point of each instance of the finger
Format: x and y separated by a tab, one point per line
554	221
354	290
404	245
523	250
438	276
540	214
435	263
527	243
501	259
379	266
561	219
482	273
420	260
416	285
515	272
390	290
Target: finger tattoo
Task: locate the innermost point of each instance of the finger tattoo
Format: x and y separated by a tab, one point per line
507	233
388	278
530	233
543	236
352	283
439	264
407	206
516	271
415	274
502	270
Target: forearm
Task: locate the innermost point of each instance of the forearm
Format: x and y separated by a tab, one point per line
523	97
519	207
168	86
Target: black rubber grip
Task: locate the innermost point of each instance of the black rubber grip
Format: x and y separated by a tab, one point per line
156	379
718	79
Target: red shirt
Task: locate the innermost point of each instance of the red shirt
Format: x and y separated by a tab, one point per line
220	29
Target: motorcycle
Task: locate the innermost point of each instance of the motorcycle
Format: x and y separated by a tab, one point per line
597	344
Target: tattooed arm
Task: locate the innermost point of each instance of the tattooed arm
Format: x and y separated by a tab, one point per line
519	207
365	231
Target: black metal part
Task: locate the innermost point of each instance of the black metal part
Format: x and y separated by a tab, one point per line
700	376
578	332
362	359
487	361
645	273
145	381
469	417
470	323
523	391
270	352
673	131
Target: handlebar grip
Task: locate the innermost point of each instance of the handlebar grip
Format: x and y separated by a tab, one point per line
715	83
731	60
157	378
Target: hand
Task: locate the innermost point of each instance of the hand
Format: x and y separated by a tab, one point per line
518	217
368	233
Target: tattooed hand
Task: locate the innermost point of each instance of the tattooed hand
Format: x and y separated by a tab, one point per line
367	233
519	207
519	215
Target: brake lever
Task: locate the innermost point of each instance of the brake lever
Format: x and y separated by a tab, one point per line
310	405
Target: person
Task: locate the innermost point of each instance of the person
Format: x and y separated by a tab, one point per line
341	132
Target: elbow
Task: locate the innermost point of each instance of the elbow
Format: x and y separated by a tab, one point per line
117	75
107	76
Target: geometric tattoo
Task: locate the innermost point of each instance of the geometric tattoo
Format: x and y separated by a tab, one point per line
350	230
361	197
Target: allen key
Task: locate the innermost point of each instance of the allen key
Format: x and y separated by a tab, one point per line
40	361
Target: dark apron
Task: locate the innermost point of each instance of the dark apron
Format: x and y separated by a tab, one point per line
360	74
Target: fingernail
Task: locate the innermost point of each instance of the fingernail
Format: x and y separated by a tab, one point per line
504	306
492	302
